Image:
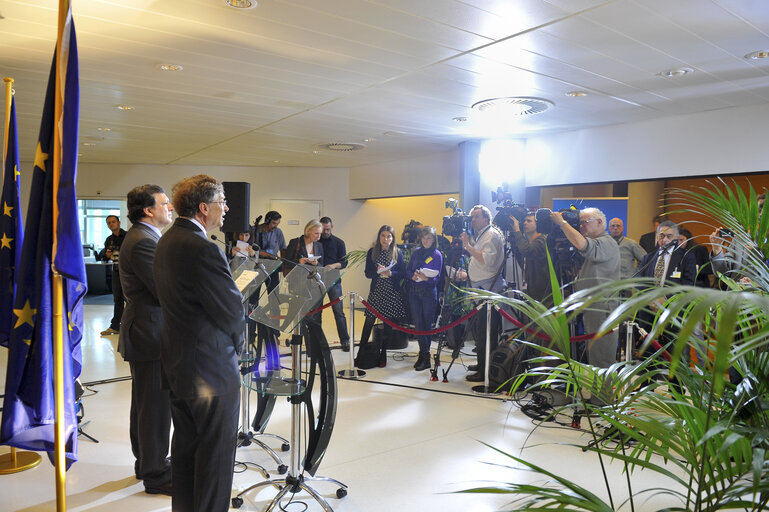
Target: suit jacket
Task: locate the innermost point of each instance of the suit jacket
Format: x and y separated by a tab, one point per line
648	241
682	264
398	271
142	318
203	318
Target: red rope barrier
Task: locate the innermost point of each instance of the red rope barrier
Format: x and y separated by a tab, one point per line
324	306
414	331
539	335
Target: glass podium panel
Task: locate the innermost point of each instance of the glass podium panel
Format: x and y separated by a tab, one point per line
299	292
250	273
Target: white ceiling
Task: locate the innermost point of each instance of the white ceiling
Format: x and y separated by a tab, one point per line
262	86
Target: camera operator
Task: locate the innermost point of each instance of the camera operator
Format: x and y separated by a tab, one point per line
487	258
602	263
531	255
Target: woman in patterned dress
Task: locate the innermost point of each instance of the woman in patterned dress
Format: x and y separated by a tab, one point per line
386	268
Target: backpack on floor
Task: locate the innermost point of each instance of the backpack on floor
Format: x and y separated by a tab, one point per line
506	362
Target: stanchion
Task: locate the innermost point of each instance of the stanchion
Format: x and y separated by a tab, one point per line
16	461
352	372
629	326
485	389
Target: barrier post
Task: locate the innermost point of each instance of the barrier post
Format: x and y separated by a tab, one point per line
352	372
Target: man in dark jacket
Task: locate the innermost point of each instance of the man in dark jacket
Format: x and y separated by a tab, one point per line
203	325
149	210
111	252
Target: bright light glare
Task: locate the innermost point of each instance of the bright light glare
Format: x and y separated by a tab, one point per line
501	161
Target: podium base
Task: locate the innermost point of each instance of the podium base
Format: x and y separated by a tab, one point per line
351	374
24	461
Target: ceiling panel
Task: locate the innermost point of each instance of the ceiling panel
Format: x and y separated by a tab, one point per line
266	84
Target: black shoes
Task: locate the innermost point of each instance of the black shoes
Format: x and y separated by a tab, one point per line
475	377
473	368
345	345
160	489
423	362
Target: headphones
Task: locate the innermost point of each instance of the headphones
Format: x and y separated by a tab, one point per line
270	216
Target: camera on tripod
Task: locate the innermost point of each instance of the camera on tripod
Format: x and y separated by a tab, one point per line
458	222
412	232
555	233
507	208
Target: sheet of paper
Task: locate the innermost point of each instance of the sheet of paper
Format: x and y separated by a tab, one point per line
242	248
428	272
245	278
385	269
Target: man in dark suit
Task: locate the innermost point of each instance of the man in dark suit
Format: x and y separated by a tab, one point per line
111	253
668	265
150	425
203	325
648	241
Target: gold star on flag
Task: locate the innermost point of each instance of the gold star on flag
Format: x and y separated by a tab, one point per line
25	315
5	242
16	173
40	157
7	209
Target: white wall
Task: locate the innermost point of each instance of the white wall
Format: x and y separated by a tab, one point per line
437	173
717	142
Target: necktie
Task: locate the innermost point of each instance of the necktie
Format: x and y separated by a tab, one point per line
659	269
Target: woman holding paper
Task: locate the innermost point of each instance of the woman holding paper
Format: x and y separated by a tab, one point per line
386	268
306	249
424	271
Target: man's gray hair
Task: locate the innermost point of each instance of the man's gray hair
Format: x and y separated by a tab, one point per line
595	213
486	211
668	224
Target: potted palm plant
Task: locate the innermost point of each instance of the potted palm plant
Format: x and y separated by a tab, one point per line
706	437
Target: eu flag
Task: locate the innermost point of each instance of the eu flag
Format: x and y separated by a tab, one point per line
11	230
28	412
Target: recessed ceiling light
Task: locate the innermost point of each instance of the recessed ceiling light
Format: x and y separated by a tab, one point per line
394	134
761	54
675	73
370	139
170	67
124	107
460	119
276	161
241	4
513	106
576	94
104	129
89	143
316	152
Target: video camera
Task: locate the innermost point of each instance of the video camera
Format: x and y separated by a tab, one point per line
412	232
458	222
507	208
545	224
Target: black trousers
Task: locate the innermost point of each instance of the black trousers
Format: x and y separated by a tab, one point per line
119	300
150	424
203	452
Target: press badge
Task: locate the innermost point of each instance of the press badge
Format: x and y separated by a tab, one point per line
428	260
676	274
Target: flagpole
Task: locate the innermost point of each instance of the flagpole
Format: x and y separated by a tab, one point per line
58	296
14	461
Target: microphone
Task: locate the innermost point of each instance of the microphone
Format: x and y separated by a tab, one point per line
225	244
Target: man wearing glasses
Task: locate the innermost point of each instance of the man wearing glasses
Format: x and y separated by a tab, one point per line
201	338
601	265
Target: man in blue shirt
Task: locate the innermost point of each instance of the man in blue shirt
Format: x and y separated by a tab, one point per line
334	252
269	237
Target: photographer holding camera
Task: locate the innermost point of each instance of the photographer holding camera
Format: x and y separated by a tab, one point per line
531	255
602	264
487	258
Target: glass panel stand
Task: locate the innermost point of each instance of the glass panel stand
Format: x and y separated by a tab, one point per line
352	372
306	287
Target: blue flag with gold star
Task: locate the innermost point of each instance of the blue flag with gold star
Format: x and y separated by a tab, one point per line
29	407
11	230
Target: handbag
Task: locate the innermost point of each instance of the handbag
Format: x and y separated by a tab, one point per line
368	354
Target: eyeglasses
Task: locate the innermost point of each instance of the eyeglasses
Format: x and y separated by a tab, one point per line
586	222
220	203
667	235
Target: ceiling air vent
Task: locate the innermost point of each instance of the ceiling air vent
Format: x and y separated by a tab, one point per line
513	106
343	147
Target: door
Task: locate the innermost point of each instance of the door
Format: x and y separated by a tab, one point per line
295	214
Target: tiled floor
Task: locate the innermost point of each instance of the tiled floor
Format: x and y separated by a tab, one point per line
401	443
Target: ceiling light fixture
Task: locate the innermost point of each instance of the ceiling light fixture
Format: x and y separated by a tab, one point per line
170	67
576	94
343	147
760	54
460	119
104	129
513	106
241	4
124	107
675	73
